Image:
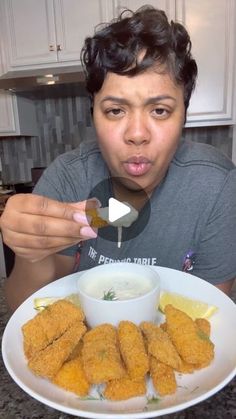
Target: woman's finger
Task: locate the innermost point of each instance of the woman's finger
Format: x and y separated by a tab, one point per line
41	205
45	241
43	225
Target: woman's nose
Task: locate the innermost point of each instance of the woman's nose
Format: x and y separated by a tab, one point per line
137	131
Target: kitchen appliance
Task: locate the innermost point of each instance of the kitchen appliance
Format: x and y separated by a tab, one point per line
53	82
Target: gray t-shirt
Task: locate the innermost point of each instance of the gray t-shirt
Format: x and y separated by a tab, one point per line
192	224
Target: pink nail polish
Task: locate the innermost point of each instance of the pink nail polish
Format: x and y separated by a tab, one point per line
88	232
96	202
81	218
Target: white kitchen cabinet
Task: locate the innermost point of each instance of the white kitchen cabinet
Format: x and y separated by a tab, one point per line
30	30
17	114
75	20
211	25
42	33
167	5
212	28
8	114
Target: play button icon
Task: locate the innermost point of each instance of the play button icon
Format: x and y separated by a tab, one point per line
120	214
117	210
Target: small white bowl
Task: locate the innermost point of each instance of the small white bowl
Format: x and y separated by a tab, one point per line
138	302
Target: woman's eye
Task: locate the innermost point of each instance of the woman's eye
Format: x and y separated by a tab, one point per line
114	112
161	112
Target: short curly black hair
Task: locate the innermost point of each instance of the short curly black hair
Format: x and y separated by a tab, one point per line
135	42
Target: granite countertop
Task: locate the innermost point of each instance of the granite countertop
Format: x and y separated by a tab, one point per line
16	404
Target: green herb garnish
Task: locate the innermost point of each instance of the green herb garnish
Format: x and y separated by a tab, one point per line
109	295
153	399
102	354
202	335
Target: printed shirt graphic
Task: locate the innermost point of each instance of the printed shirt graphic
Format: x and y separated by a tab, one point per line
189	261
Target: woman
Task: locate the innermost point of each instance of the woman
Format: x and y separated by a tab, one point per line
140	75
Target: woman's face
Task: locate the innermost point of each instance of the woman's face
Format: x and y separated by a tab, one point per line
138	121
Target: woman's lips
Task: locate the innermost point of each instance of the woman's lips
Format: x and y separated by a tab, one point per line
137	165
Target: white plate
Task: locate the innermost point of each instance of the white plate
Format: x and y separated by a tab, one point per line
192	388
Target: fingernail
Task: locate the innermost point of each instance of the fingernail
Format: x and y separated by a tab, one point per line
88	232
81	218
96	202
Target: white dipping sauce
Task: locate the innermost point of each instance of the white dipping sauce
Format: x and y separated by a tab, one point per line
125	287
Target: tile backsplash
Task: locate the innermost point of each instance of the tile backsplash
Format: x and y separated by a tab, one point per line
63	124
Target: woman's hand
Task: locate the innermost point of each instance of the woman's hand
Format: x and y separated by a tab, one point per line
35	227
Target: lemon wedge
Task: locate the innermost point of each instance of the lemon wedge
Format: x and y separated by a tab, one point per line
42	302
194	308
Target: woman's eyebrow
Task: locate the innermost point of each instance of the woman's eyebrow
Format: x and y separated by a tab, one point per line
115	99
156	99
123	101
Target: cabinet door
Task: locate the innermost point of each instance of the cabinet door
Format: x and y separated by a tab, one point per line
167	5
211	27
17	116
75	20
9	119
31	32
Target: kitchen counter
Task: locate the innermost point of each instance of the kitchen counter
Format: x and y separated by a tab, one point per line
16	404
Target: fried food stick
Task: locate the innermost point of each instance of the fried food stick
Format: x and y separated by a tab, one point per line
96	220
160	345
133	350
124	388
71	377
48	361
49	325
100	353
201	323
186	368
191	343
163	377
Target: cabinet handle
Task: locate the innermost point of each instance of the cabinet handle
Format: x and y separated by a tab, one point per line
51	47
59	48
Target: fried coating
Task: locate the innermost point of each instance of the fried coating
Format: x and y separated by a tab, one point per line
71	377
49	325
201	323
133	350
48	361
105	330
77	351
163	377
185	367
191	343
164	326
96	220
124	388
100	354
160	345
